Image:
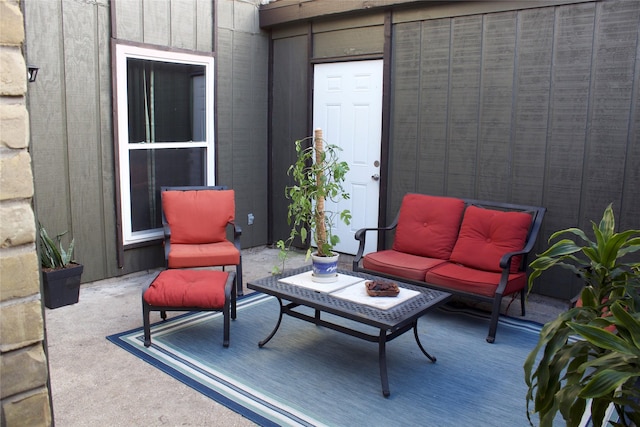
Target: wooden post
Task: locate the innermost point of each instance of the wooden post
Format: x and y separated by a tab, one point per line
321	230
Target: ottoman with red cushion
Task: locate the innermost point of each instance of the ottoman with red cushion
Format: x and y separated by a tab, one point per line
190	290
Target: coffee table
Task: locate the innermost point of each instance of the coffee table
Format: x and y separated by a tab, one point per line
391	322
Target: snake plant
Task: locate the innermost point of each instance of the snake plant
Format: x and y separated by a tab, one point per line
52	254
588	358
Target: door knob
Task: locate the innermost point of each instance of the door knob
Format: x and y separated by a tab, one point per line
375	177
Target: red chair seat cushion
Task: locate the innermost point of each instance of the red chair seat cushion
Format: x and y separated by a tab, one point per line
400	264
428	225
461	278
487	234
188	288
198	216
188	256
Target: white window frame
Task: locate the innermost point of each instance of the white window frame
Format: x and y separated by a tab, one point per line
123	53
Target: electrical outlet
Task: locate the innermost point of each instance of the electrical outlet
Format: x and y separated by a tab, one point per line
250	219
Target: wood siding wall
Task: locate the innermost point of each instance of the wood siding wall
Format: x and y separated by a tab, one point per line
71	127
295	49
242	113
289	118
72	121
537	106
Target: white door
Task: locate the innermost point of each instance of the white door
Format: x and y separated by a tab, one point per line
347	106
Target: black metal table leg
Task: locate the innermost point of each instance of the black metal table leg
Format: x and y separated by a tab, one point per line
267	339
390	323
415	334
146	323
382	359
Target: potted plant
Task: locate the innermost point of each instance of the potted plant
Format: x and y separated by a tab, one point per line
588	359
60	274
318	175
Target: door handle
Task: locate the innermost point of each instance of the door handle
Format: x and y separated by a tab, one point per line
375	177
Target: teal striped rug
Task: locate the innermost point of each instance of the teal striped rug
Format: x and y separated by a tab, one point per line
312	376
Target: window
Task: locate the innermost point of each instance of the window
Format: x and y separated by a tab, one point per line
165	132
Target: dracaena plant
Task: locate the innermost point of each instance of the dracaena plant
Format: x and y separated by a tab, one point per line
52	253
318	176
588	358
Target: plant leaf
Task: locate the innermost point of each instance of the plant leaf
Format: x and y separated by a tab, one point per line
607	224
605	382
631	323
604	339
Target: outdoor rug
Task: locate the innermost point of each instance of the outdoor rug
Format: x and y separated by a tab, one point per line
309	375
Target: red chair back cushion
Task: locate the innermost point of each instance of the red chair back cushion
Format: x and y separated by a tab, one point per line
487	234
428	225
198	216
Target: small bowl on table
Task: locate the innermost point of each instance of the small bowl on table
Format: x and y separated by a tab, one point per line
382	288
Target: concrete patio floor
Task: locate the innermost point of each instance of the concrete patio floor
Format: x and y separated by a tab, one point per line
95	383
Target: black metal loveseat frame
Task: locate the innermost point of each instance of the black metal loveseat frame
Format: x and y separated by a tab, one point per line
537	214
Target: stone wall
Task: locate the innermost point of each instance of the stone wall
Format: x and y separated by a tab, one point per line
24	391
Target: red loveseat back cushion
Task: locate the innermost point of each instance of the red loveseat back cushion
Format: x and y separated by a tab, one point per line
487	234
428	225
198	216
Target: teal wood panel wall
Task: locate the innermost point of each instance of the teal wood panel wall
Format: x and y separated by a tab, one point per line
534	106
183	24
71	127
537	106
242	128
295	49
71	111
531	103
289	118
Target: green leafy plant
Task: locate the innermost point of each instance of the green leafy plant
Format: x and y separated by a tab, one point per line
52	254
318	175
589	356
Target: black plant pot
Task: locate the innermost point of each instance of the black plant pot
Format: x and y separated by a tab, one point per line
62	287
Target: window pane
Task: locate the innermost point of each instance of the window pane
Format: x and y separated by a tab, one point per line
166	101
152	169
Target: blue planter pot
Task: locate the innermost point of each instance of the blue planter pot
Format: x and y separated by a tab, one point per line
325	269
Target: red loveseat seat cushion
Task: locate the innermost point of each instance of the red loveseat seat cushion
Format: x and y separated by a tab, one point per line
465	279
400	264
188	288
428	225
486	235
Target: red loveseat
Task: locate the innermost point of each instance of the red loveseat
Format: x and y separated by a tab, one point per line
466	247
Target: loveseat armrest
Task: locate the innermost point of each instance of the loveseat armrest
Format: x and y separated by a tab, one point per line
361	236
536	223
505	261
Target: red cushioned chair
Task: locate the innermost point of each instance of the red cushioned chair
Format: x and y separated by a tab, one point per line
195	221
